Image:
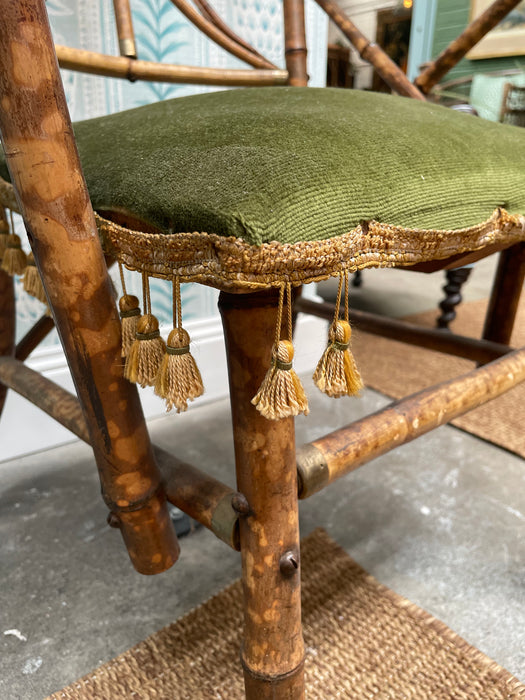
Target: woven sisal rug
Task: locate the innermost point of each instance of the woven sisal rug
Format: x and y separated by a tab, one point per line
362	641
396	369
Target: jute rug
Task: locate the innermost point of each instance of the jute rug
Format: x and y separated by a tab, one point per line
396	369
362	641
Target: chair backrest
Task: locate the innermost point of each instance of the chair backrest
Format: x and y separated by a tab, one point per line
130	66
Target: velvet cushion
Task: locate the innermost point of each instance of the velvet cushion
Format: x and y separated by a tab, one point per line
300	164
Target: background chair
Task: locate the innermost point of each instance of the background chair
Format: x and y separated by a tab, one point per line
262	516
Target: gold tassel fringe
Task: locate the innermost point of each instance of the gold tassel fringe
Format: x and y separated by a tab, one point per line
32	282
129	314
336	374
14	260
281	393
146	353
4	234
179	379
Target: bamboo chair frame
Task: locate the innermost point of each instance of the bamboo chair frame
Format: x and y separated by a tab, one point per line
138	478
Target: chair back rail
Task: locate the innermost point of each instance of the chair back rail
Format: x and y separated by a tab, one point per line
135	69
219	37
207	10
264	72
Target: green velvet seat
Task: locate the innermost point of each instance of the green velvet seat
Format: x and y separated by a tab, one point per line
300	164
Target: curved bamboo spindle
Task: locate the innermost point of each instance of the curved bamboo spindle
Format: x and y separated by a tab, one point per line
455	51
126	35
220	38
209	13
131	69
38	139
373	54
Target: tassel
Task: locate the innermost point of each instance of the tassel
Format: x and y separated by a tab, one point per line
281	393
32	281
129	315
336	373
4	233
179	379
14	260
145	355
147	350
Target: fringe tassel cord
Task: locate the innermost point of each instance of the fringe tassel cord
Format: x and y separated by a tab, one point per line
147	350
281	393
336	373
179	379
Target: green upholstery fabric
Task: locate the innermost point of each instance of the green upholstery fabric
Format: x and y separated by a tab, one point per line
294	164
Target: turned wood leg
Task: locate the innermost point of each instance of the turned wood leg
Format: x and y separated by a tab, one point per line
273	652
455	281
46	173
505	295
7	324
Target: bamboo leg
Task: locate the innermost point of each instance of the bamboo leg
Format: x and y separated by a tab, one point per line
273	652
45	169
7	324
505	295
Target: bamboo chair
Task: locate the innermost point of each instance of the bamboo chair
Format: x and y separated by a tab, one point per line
257	279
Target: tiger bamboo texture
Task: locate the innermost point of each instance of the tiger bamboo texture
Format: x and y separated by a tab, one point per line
323	461
373	54
481	351
45	170
210	14
131	69
295	52
455	51
124	21
200	496
273	650
220	37
7	324
505	295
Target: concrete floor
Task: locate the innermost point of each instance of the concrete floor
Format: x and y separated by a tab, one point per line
441	521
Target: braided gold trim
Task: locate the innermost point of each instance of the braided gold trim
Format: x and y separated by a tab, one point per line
229	263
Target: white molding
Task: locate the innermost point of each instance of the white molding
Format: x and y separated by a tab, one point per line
24	429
